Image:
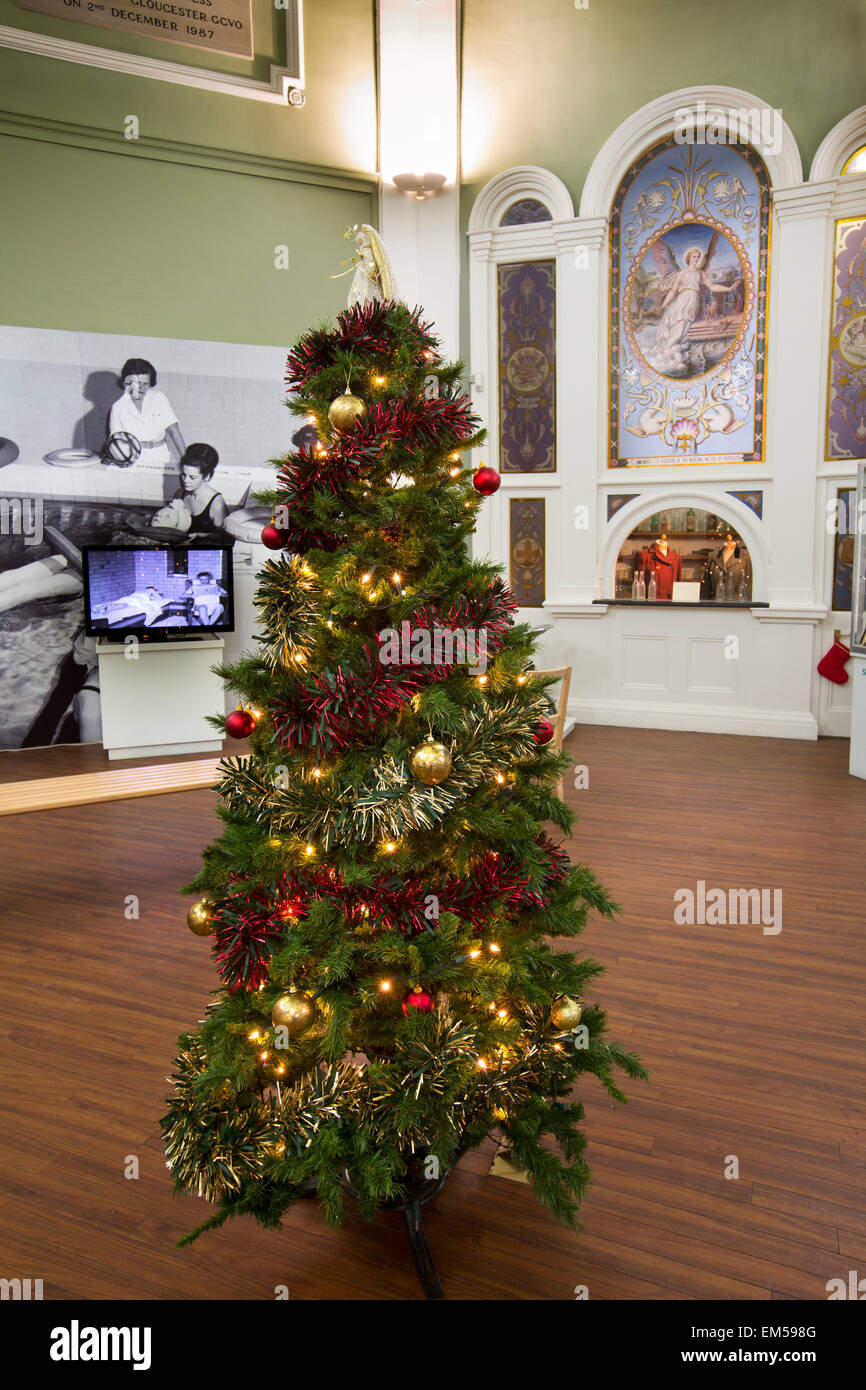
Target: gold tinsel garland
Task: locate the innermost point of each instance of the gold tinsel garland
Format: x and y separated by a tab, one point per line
213	1146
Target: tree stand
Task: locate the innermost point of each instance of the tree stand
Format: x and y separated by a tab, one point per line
427	1274
419	1190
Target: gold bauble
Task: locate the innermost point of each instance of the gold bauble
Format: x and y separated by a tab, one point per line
293	1011
430	762
344	411
199	919
566	1013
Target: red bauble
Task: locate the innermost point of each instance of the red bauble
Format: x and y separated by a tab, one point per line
272	538
545	731
486	481
419	999
240	723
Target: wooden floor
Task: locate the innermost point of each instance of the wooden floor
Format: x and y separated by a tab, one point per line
755	1044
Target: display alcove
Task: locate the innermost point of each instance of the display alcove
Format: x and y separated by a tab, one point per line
684	545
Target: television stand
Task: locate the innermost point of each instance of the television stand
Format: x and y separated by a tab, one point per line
156	696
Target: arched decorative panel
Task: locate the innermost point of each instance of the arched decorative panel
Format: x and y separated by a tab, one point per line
689	257
846	394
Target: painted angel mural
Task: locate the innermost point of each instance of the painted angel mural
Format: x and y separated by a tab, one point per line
689	239
686	320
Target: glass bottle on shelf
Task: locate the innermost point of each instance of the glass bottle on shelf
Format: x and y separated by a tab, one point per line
721	581
743	589
635	588
691	519
652	592
641	586
731	588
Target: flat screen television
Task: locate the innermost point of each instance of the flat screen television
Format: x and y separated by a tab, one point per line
157	594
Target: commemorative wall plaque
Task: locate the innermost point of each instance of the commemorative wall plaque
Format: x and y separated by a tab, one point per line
219	26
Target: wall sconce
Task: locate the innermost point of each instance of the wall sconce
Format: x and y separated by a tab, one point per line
421	186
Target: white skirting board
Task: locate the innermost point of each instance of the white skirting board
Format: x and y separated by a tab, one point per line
161	750
757	723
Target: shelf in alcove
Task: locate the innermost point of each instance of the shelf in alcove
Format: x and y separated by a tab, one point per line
678	535
669	603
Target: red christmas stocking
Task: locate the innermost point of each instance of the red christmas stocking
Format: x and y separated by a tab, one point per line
832	663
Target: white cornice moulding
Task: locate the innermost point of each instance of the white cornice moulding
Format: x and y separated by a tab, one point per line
656	120
850	199
740	475
481	245
574	608
805	200
838	145
530	482
538	238
134	65
512	186
834	470
811	613
582	231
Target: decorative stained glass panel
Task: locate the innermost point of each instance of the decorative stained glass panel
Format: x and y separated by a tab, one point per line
527	367
527	551
846	391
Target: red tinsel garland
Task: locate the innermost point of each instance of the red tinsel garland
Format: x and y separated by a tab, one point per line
365	328
248	928
416	423
333	708
413	425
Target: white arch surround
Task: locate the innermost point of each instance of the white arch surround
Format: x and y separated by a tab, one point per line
656	120
838	145
713	499
511	186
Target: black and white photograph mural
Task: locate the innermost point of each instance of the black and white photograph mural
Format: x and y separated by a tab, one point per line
124	441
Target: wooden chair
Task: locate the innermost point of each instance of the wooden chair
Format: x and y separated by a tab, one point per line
563	674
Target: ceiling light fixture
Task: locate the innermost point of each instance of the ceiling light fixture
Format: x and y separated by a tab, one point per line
421	186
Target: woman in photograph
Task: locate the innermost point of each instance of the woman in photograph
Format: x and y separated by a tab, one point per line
206	506
146	414
205	598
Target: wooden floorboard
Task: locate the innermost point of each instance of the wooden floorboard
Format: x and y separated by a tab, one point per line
755	1045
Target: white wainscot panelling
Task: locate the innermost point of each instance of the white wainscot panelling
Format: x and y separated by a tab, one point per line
711	669
644	662
666	669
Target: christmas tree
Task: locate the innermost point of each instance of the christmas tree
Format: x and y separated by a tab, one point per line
383	894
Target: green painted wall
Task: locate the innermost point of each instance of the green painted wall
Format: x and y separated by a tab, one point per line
335	129
553	82
107	244
174	235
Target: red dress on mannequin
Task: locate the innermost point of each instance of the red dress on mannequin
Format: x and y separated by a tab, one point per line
666	566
